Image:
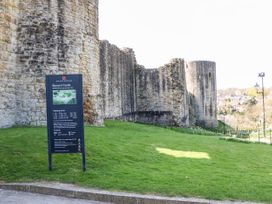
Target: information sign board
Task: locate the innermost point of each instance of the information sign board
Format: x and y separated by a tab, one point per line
65	125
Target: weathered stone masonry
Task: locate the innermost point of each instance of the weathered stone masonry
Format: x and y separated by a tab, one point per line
201	84
131	92
162	94
39	37
178	93
47	37
117	80
9	12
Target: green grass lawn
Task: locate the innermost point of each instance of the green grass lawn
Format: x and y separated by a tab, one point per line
122	156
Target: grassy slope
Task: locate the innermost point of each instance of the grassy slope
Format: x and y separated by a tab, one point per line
122	156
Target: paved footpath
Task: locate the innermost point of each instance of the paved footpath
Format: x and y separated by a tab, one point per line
19	197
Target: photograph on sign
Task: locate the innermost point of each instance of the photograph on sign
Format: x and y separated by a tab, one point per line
64	97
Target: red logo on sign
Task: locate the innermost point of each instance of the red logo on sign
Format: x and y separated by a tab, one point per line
63	78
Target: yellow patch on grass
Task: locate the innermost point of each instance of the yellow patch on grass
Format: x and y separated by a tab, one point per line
186	154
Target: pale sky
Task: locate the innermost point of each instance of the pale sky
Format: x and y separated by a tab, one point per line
236	34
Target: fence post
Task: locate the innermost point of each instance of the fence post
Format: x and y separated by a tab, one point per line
259	135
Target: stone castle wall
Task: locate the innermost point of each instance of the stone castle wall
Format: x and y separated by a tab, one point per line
201	84
40	37
131	92
117	80
162	94
51	37
9	11
178	93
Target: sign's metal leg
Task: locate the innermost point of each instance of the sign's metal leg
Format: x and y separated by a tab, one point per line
83	153
50	161
83	161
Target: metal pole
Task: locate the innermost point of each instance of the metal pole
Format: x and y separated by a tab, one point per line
270	136
50	161
224	125
263	108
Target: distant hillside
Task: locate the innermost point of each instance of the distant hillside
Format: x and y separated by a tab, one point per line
242	108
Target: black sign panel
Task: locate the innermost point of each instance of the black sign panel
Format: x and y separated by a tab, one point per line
64	99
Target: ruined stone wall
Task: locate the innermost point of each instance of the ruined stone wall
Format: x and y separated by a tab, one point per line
40	37
8	70
131	92
56	37
117	79
201	85
162	94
